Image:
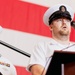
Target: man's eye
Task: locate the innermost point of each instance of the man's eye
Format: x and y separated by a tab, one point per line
68	20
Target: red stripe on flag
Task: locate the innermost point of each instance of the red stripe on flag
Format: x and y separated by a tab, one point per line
23	16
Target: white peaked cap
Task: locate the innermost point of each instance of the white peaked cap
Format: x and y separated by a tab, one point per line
53	9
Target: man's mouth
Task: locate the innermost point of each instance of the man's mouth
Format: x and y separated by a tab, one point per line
64	27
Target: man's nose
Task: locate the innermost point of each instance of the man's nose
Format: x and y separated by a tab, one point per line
64	21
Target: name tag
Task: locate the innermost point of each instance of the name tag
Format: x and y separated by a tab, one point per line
5	64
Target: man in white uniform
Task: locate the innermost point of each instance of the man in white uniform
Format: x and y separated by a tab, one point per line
6	67
58	18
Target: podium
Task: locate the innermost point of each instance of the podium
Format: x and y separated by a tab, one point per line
62	63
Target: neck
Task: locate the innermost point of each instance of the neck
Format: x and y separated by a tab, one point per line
62	39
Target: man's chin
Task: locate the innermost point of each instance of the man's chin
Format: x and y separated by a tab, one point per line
64	33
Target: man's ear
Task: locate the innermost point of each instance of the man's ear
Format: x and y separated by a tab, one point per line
50	27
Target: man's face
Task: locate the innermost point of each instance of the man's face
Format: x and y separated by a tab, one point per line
61	26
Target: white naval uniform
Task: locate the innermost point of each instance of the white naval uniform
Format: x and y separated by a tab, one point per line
44	50
6	67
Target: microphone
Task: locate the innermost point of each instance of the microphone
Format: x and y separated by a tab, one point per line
73	24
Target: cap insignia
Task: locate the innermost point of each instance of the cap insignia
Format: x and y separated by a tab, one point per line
62	8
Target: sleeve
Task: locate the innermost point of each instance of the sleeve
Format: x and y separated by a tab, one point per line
38	55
